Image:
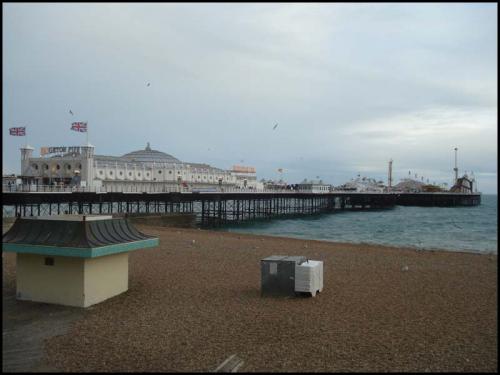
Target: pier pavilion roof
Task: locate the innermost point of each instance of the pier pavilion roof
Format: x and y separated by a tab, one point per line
149	155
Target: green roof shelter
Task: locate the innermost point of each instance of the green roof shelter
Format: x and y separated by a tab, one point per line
74	260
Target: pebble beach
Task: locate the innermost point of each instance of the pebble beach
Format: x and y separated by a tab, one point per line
195	300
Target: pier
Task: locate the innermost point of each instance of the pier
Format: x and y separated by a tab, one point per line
218	208
438	199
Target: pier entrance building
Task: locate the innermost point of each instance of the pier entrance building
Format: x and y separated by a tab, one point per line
137	171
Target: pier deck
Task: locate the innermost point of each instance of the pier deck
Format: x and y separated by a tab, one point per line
438	199
216	208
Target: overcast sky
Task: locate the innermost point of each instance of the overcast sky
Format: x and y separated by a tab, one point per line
350	85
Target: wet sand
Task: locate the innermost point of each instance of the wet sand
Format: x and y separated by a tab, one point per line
192	305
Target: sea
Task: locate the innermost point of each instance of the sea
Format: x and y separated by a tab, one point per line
465	229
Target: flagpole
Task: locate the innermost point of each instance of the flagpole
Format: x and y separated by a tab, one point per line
87	133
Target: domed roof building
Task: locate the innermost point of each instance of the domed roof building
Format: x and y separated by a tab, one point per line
144	170
151	170
148	156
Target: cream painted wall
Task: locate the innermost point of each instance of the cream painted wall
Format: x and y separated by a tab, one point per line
61	283
71	281
105	277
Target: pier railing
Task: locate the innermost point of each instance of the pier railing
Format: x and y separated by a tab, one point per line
212	206
137	189
83	189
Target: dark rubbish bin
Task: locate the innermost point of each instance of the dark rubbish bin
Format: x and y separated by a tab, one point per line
278	275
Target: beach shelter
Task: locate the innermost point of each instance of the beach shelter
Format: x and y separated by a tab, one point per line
74	260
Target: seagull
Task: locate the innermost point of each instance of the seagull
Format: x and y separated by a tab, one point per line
71	112
275	126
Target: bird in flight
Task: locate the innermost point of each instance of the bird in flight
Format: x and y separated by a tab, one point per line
71	112
149	84
275	126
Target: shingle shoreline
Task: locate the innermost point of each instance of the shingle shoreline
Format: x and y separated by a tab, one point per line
192	305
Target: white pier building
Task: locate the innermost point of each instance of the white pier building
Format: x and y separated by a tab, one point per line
145	170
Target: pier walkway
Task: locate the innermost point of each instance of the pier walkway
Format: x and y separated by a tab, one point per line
219	207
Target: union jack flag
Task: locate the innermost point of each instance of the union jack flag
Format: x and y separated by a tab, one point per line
79	126
18	131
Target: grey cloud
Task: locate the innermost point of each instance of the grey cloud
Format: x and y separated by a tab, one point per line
350	84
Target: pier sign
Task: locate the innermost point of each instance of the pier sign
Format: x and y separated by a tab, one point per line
243	169
60	149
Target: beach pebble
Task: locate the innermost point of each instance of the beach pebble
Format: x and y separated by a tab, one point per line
172	293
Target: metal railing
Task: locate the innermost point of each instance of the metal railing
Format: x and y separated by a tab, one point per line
174	189
49	189
88	189
137	189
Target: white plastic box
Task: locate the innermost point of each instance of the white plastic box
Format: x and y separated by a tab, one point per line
309	277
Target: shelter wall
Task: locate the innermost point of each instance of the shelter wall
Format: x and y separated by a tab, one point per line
60	283
105	277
